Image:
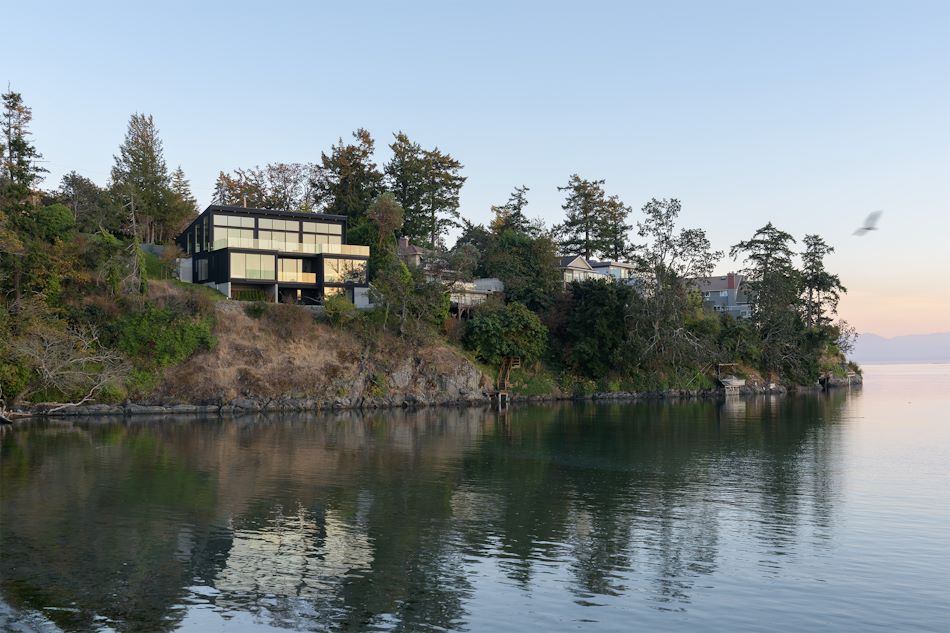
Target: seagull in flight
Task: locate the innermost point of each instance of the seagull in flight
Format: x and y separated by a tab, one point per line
870	224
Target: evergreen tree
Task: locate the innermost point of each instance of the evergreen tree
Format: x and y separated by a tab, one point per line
347	181
773	286
140	179
614	230
821	289
19	172
510	216
182	188
427	184
582	230
182	206
19	175
527	266
476	235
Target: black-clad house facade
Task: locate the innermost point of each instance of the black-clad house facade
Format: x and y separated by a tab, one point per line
270	255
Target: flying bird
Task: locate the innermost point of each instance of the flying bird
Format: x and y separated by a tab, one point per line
870	224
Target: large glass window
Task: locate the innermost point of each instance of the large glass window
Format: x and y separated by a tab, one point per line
295	270
233	220
252	266
338	270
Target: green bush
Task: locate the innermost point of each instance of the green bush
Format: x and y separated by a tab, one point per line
158	337
533	382
256	309
576	385
340	311
499	331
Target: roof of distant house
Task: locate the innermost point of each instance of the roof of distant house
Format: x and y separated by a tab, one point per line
706	284
604	264
564	261
404	248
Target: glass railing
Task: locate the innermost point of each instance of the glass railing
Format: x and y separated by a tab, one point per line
300	278
253	273
290	247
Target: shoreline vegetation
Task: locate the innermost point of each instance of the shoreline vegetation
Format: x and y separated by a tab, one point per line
92	319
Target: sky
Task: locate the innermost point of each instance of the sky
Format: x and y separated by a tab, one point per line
807	114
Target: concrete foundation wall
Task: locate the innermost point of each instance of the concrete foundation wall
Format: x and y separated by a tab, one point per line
184	269
361	298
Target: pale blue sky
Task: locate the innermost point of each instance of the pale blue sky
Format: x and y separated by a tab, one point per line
809	114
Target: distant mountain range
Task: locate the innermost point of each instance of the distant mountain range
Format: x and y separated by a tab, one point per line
871	348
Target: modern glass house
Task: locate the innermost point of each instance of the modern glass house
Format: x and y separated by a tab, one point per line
270	255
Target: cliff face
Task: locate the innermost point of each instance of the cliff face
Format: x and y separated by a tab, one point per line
283	359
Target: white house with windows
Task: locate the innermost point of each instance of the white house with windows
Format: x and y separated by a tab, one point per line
620	271
576	268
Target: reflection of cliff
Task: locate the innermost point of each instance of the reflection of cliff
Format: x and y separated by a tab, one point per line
359	520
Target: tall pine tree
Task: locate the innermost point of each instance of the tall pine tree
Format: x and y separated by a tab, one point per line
347	180
821	289
427	184
614	231
581	232
140	179
510	216
20	172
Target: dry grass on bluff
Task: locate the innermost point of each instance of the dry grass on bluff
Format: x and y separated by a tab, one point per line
272	351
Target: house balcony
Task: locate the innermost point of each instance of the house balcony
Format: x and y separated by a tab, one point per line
291	247
297	278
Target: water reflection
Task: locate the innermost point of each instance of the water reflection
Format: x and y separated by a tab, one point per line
399	520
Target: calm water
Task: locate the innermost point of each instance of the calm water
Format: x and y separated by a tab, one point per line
795	514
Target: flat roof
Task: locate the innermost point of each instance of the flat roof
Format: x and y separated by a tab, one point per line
274	213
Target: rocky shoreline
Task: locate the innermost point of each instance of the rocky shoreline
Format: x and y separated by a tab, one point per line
241	406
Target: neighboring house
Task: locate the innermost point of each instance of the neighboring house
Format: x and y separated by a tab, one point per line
283	256
724	294
576	268
413	255
463	295
620	271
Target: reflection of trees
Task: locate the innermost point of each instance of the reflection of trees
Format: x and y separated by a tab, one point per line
354	521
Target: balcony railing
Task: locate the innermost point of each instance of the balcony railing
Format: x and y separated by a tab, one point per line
290	247
300	278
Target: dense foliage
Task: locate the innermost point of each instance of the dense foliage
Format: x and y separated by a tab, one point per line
511	330
79	320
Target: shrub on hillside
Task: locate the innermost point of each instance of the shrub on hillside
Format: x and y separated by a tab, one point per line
255	309
340	311
498	331
158	337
